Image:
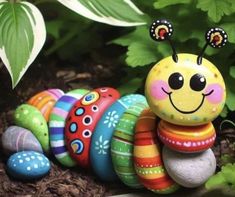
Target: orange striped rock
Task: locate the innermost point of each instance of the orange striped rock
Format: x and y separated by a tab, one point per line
188	139
45	100
147	156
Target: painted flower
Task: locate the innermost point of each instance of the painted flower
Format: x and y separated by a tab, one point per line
111	119
102	146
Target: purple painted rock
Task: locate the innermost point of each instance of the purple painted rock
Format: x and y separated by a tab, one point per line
16	139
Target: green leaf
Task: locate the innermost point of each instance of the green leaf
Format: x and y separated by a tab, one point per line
216	9
131	86
226	177
232	71
215	181
224	112
230	94
112	12
164	3
140	54
22	35
230	29
53	28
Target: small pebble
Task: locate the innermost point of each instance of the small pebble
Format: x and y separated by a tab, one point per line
28	165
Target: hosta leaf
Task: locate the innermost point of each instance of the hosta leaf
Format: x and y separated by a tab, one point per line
112	12
164	3
216	9
22	35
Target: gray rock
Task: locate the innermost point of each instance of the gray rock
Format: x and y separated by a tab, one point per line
189	170
16	139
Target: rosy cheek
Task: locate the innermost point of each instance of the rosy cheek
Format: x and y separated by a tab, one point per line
217	95
156	89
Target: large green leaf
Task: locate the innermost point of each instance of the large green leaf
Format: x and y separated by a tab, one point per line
22	35
112	12
164	3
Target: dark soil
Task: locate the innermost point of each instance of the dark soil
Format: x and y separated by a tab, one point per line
61	181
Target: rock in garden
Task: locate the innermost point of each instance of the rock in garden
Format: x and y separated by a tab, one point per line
16	139
189	170
29	117
45	100
28	165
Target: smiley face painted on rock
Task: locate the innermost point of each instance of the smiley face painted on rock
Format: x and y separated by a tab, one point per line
185	93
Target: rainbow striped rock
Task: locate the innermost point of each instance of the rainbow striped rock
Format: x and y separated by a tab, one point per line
45	100
122	146
57	123
147	156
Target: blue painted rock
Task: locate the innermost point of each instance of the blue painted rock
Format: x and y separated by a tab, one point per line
16	139
101	139
29	117
28	165
57	124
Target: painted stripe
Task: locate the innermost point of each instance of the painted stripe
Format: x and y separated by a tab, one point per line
60	112
57	143
56	137
121	153
54	123
63	105
68	99
56	130
62	155
58	150
146	151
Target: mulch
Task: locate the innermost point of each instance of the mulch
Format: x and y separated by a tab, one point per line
63	181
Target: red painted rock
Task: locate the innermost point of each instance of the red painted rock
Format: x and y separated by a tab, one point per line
82	120
147	156
187	139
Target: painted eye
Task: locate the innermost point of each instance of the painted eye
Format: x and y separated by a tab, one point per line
176	81
197	82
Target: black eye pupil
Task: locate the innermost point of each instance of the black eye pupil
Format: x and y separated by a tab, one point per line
176	81
197	82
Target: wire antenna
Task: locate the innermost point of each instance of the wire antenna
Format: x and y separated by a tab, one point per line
162	30
216	38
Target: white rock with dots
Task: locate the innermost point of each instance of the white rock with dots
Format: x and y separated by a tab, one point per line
28	165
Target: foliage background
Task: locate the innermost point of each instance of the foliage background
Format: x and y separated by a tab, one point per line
72	36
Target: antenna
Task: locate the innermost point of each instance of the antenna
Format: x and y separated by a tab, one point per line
216	38
162	30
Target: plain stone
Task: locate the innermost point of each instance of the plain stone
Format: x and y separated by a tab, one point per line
189	170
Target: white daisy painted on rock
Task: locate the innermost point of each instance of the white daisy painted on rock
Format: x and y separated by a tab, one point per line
102	146
111	119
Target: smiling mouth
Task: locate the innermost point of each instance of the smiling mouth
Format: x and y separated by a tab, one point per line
187	112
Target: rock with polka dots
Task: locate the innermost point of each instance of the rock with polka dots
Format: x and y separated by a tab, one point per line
29	117
28	165
16	139
82	119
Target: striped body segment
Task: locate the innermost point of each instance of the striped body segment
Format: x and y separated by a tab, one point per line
57	124
122	146
188	139
45	100
147	156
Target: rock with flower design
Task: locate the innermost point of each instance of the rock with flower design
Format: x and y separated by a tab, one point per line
28	165
30	118
101	139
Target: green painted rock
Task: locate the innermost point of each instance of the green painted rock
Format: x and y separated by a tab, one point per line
122	145
29	117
